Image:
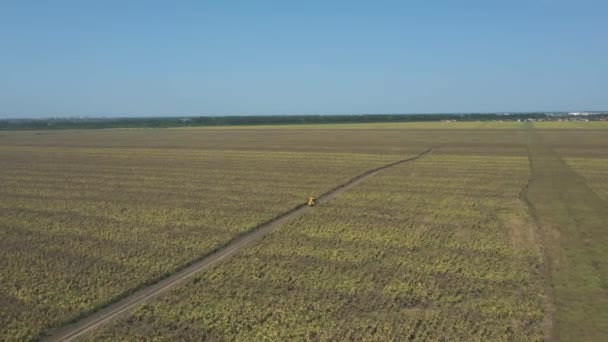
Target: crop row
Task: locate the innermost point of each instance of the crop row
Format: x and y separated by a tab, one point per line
438	249
81	227
399	139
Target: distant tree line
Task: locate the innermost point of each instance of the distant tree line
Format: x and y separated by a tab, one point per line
163	122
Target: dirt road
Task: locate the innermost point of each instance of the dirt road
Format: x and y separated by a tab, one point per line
97	319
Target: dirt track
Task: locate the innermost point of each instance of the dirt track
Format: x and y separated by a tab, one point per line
98	318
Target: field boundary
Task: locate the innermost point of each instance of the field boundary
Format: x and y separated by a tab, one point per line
122	305
571	220
546	266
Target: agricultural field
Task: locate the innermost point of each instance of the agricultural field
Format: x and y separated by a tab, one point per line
353	138
439	249
595	173
574	143
572	124
81	226
497	234
567	200
385	125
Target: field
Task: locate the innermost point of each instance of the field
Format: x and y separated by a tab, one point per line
565	199
437	249
572	125
93	224
495	235
385	125
595	173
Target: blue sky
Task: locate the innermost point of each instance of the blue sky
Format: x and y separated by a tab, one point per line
145	58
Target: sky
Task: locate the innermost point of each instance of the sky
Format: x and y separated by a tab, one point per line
164	58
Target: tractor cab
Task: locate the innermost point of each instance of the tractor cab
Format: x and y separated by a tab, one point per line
311	201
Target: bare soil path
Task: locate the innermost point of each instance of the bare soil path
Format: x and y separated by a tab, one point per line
573	222
97	319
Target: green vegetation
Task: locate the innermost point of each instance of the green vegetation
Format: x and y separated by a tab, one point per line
573	220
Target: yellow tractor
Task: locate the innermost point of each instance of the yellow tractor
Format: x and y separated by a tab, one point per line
311	201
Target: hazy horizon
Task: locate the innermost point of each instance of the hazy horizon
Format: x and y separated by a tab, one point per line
287	114
150	59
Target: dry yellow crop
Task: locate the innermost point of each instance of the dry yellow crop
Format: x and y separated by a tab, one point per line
84	226
441	248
